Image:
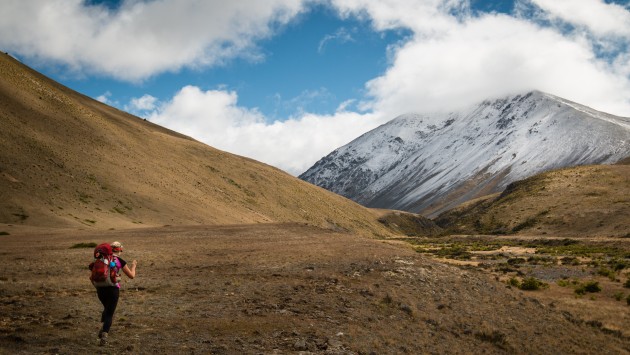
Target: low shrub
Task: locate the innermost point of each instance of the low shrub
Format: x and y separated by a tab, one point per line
514	261
496	337
505	268
514	282
594	263
536	260
606	272
576	249
590	287
570	260
618	265
4	233
567	282
532	284
563	283
454	252
627	284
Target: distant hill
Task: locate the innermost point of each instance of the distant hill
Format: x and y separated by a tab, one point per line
67	160
572	202
429	164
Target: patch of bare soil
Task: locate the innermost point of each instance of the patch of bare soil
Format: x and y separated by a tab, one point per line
271	288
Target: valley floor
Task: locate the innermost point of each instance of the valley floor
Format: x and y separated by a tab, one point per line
271	288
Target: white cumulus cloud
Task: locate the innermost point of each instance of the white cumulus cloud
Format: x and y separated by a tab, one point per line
202	114
576	49
456	58
600	18
214	117
141	38
104	98
452	59
495	55
141	104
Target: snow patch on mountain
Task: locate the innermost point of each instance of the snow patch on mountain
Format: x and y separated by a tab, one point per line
428	163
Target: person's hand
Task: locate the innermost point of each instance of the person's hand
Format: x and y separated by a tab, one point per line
134	263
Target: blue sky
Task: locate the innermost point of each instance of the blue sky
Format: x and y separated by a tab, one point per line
314	63
288	81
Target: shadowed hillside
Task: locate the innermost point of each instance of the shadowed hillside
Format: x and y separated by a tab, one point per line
67	160
409	224
580	201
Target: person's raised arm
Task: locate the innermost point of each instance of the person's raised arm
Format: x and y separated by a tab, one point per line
130	272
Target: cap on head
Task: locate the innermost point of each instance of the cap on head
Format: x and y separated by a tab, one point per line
116	247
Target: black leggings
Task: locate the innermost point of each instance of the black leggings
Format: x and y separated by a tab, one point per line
109	298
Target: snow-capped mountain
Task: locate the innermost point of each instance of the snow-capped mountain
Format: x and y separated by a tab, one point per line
428	164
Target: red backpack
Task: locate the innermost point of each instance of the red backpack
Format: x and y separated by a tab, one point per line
103	267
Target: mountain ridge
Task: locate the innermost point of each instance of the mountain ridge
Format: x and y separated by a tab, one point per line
428	164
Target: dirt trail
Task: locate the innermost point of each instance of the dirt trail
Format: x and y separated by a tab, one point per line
269	288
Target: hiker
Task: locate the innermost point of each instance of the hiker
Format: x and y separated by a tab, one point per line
108	294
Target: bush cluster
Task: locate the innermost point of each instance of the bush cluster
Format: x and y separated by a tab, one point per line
528	284
607	273
514	282
532	284
590	287
455	252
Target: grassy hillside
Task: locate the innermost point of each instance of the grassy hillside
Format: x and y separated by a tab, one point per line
580	201
69	161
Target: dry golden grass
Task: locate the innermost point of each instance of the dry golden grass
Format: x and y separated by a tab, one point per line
274	288
67	161
579	201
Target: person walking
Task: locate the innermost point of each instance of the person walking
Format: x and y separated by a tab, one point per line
108	295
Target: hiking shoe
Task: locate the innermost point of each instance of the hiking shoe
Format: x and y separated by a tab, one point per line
103	336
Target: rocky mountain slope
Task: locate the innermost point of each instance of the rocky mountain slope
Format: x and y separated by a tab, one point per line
69	161
428	164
